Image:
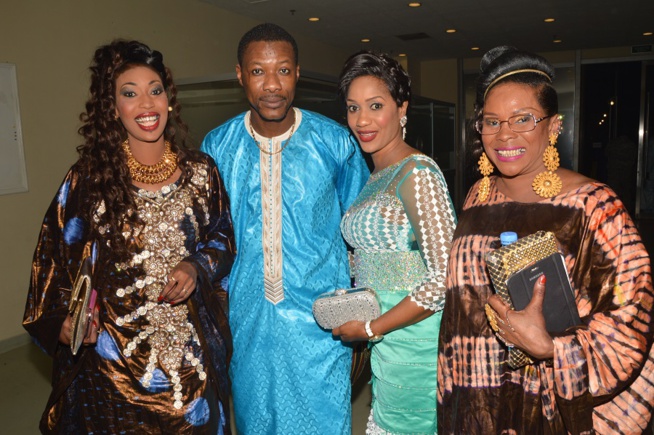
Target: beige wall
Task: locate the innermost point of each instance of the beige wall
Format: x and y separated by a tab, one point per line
438	80
51	43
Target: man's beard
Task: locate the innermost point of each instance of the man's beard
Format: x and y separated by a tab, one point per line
256	109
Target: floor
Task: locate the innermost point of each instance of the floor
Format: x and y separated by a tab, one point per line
25	386
24	389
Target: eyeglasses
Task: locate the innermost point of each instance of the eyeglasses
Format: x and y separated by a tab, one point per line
517	123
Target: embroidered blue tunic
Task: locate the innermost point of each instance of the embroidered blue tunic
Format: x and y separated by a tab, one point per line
288	375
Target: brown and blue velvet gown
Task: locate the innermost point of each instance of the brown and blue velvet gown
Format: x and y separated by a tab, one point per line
156	368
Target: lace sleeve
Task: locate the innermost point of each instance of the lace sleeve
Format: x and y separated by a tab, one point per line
428	206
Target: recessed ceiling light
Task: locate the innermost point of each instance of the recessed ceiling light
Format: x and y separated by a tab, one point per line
450	31
314	19
402	55
648	34
556	40
415	4
365	40
474	48
549	20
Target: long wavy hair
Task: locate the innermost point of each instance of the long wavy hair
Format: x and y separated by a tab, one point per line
101	158
498	62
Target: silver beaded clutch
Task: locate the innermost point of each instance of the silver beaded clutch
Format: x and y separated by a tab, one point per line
335	308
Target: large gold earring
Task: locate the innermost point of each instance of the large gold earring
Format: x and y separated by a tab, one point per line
486	168
548	184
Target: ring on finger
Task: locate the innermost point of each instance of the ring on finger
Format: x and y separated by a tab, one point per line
491	315
508	344
506	316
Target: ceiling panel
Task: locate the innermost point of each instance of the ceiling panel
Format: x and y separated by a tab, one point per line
580	24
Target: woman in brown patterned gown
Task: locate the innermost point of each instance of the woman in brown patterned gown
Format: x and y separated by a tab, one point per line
595	377
153	216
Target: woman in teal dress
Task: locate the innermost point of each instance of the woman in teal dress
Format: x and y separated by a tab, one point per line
400	226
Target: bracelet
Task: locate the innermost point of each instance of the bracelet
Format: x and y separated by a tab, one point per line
372	337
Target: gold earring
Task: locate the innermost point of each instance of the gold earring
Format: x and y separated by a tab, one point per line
548	184
486	168
170	108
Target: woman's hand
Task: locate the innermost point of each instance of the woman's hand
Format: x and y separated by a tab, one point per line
353	330
181	283
66	333
525	329
403	314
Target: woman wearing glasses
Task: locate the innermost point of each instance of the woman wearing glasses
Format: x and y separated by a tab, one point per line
597	376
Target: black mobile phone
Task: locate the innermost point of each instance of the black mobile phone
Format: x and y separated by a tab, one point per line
559	307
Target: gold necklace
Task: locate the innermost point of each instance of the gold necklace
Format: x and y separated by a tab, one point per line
274	152
151	174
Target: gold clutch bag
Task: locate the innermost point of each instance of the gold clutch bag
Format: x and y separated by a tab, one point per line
510	259
82	303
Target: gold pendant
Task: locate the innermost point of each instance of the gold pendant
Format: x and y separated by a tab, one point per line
547	184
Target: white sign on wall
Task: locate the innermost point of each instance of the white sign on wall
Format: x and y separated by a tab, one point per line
13	176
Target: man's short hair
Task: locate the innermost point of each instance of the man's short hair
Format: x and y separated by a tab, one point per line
265	32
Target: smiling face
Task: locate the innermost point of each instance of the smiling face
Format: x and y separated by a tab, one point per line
142	104
373	115
269	74
517	155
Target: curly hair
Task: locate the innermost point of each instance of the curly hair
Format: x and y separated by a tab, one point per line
503	64
268	32
101	162
381	66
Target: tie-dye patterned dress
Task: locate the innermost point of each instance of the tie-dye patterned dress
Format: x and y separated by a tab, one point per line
401	225
595	381
156	368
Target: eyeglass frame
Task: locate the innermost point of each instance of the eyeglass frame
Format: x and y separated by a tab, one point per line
536	121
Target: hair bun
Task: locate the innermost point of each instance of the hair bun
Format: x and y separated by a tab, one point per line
493	54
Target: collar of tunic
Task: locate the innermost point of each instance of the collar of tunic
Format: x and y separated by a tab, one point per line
271	206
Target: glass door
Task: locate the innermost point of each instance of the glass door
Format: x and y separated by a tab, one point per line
645	186
432	130
609	130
